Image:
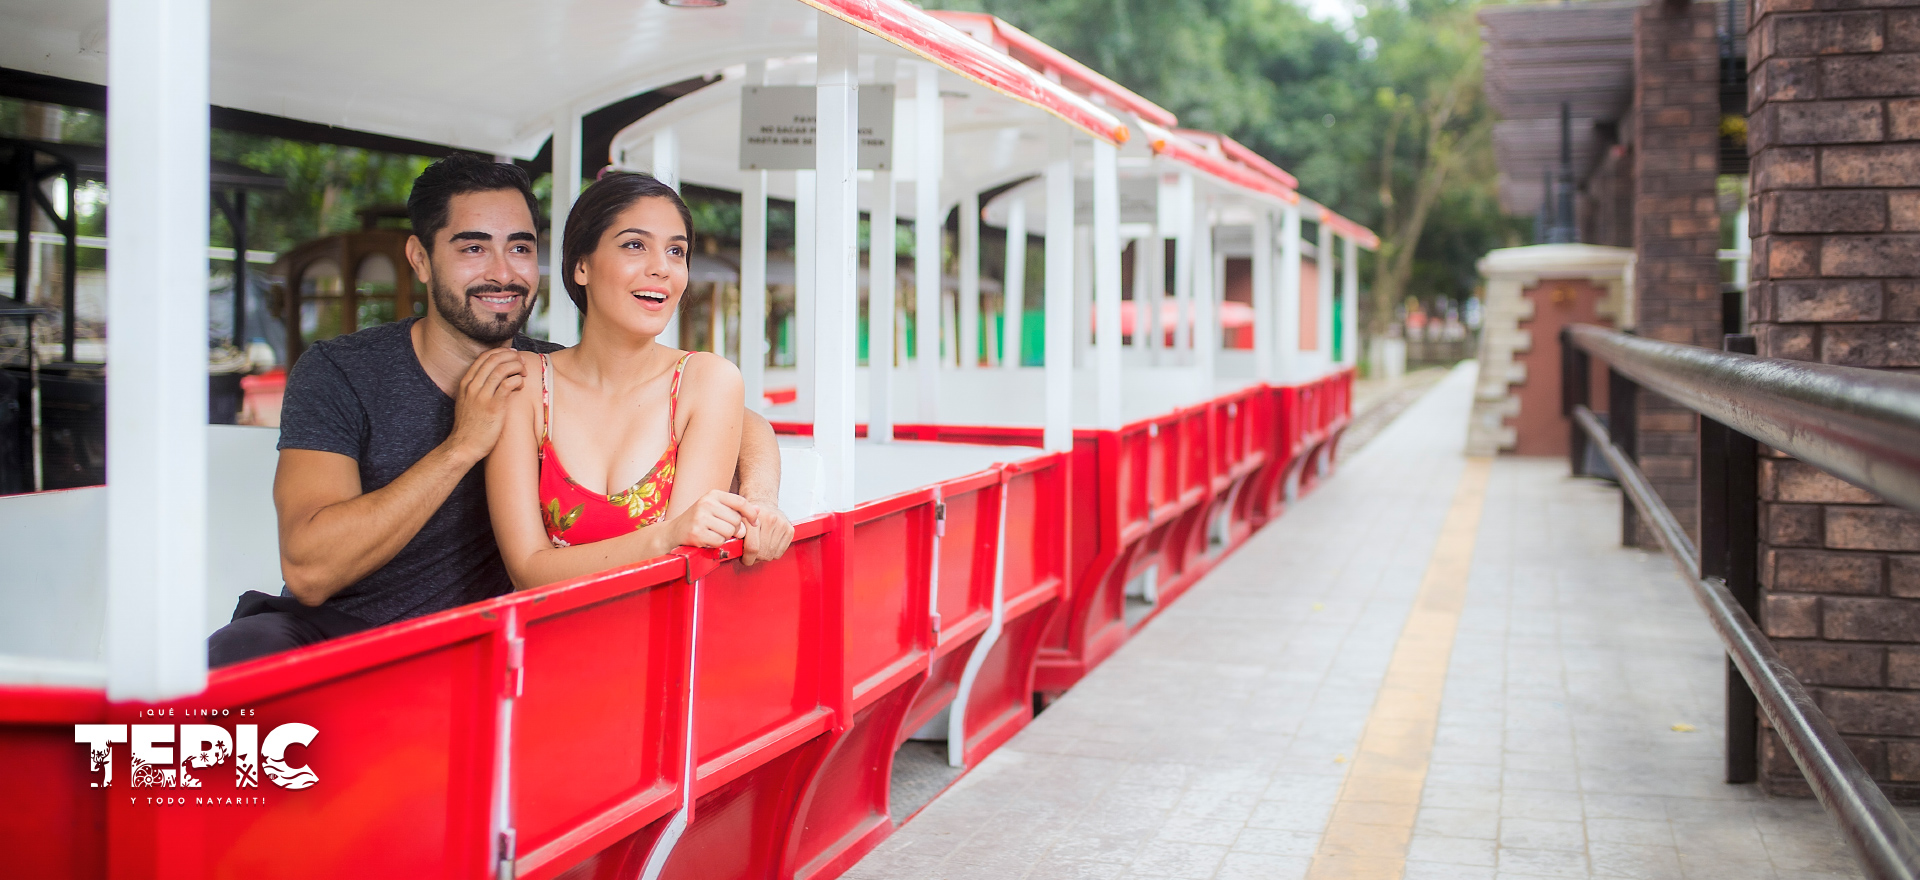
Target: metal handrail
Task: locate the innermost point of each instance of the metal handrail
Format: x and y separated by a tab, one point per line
1860	425
1835	417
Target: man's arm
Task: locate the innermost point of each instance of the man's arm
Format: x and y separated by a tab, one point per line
332	535
758	477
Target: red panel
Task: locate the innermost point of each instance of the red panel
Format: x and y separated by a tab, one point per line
761	660
587	769
966	563
886	595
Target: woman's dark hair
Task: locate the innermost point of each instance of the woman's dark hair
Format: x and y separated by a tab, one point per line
458	175
596	210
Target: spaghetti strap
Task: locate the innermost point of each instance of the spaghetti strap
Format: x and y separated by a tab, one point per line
546	398
673	397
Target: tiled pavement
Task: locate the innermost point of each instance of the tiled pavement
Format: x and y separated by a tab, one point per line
1214	744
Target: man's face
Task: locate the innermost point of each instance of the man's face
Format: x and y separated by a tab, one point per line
484	265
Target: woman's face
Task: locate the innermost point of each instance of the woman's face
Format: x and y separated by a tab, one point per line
636	276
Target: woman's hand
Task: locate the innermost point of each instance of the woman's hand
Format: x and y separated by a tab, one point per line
718	517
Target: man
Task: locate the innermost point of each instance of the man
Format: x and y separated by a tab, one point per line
382	506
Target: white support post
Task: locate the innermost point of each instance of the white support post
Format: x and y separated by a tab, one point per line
928	221
1156	250
1013	297
968	347
806	235
1206	327
157	304
1287	349
1350	300
1106	281
563	318
666	157
1324	266
1140	274
753	289
1176	221
881	270
837	202
666	169
1082	292
753	274
1062	255
1265	326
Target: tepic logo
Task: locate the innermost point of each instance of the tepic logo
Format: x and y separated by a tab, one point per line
200	746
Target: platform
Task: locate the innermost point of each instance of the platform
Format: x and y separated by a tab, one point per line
1578	732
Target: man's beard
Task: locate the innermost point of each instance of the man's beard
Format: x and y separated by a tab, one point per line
488	328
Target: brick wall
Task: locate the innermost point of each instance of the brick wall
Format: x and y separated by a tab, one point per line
1676	125
1834	134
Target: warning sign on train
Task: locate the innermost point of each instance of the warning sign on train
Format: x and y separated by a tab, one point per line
777	125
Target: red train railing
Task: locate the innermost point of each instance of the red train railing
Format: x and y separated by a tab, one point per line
688	715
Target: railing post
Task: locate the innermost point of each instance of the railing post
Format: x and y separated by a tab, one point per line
1741	510
1622	419
1575	388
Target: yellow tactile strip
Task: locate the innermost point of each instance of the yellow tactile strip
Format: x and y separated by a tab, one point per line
1372	822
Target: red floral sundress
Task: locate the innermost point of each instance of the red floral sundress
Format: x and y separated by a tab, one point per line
576	515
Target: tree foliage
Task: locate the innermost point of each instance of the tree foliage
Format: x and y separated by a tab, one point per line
1383	120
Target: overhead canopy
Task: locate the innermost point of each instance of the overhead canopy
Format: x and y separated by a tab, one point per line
1539	56
489	75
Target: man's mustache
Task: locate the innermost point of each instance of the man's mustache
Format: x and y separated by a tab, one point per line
485	289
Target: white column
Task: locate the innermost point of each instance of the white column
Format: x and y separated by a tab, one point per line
753	288
1014	287
1156	251
563	318
968	348
881	271
1082	292
666	157
1206	327
157	304
666	169
805	260
1287	349
1106	281
1062	255
1140	273
928	134
1350	301
838	266
1324	265
753	274
1265	326
1176	222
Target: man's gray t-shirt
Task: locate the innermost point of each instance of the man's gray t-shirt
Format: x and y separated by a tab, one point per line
365	396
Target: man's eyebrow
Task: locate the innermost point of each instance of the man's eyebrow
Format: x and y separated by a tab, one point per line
471	235
638	231
523	236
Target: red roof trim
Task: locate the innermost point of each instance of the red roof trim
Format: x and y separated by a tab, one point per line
1030	51
916	31
1241	153
1179	149
1345	228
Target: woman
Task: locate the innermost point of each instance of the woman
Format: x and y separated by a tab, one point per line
624	449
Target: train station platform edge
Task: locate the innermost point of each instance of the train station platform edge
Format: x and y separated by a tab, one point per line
1246	731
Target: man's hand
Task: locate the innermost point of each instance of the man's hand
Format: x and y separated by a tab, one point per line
767	539
480	408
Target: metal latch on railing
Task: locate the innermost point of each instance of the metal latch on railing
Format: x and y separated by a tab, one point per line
503	864
516	665
939	519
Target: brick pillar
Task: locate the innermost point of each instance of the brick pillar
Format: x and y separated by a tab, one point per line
1834	132
1676	130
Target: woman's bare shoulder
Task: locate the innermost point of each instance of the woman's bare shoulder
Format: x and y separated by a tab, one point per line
708	378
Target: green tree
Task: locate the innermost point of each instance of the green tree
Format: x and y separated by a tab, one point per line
1383	120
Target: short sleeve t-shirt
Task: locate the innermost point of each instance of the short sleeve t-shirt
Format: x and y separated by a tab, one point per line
365	396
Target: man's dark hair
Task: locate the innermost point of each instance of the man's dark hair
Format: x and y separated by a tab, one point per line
458	175
596	210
